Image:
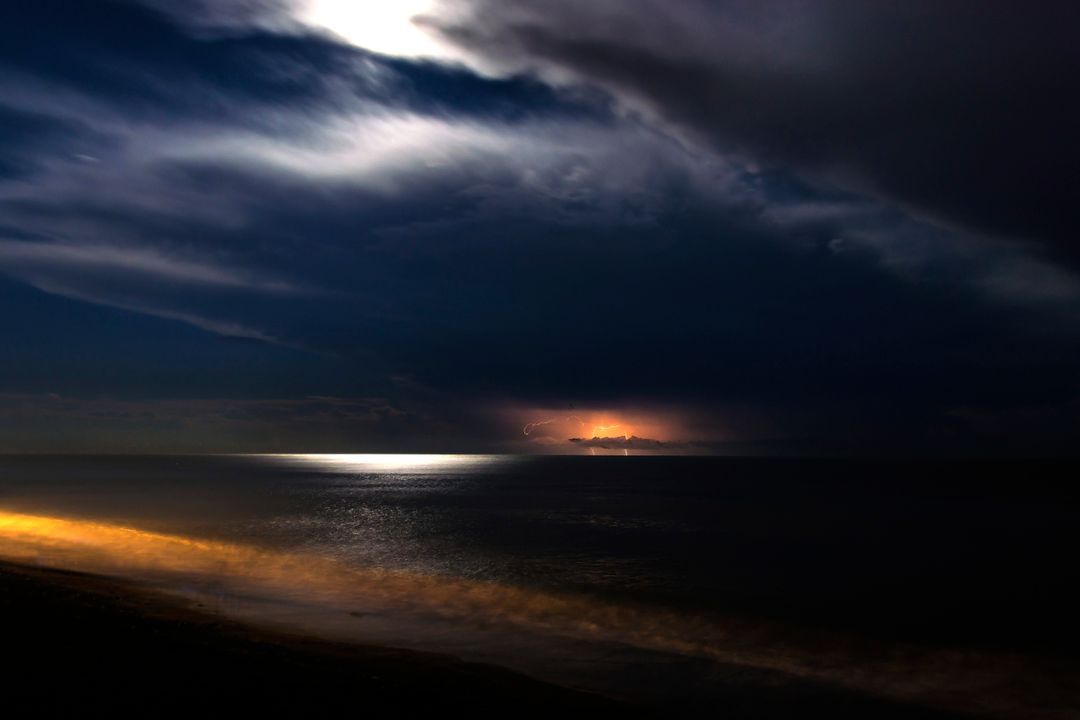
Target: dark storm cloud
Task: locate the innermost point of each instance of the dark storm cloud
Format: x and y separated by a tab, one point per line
965	111
630	443
720	233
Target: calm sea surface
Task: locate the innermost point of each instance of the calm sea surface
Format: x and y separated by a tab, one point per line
605	572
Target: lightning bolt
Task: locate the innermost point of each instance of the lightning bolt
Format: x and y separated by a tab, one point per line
547	421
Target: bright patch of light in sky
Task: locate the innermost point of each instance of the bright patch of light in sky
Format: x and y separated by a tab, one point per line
383	26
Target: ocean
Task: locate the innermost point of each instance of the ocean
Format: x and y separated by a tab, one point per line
943	583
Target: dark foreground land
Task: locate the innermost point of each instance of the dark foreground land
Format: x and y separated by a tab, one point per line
82	645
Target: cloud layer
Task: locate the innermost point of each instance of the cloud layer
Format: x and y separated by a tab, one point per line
961	110
809	225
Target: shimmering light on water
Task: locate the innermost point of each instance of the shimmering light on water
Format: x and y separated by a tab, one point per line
319	594
314	581
566	568
388	462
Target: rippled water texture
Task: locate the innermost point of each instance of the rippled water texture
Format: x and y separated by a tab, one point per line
914	581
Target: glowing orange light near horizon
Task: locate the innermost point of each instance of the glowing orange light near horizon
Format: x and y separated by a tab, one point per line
599	430
551	428
574	425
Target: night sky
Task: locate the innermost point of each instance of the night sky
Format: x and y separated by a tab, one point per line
738	227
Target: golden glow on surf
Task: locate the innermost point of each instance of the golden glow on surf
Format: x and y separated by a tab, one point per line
172	561
111	548
177	560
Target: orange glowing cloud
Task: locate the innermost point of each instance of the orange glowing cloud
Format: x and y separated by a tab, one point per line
553	429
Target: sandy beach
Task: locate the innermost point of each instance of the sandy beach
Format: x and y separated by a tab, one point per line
88	644
81	643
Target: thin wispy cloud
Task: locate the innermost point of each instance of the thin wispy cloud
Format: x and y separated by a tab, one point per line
718	205
37	259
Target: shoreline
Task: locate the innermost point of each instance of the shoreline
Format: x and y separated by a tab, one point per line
84	642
